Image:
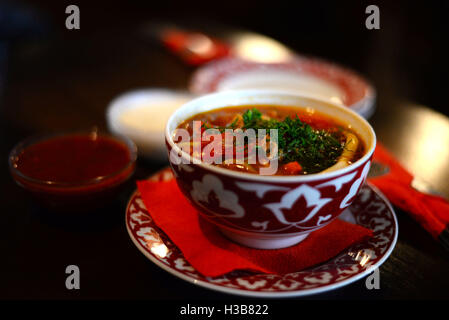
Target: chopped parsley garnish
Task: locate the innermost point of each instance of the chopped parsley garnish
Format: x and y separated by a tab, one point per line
314	149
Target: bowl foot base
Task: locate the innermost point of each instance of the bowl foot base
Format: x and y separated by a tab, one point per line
258	241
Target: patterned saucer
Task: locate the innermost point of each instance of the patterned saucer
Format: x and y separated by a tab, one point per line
370	209
303	75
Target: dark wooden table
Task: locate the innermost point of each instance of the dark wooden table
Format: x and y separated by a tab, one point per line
67	84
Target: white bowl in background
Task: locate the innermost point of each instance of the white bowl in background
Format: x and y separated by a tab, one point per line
141	115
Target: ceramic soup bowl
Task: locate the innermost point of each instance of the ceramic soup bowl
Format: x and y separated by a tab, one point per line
262	211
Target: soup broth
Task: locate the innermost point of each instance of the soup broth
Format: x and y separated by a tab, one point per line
307	141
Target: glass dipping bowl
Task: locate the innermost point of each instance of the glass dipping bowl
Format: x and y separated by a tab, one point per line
76	196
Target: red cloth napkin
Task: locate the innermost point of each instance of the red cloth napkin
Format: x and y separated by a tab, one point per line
431	211
212	254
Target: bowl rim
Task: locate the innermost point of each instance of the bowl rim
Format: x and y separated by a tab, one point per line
270	178
207	79
148	97
35	139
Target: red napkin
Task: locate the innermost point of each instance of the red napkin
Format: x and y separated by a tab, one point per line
212	254
431	211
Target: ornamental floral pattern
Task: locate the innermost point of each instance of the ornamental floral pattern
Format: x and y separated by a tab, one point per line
369	209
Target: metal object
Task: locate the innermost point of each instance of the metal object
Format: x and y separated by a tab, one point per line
378	169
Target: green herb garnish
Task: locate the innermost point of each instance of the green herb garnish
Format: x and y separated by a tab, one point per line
314	149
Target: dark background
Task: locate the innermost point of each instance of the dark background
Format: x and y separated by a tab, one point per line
407	56
55	79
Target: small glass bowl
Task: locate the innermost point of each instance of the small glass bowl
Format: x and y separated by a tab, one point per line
74	196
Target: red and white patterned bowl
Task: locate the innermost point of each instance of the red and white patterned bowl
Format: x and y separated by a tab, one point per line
299	74
268	212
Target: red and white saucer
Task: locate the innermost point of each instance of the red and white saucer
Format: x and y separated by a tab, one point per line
370	209
306	76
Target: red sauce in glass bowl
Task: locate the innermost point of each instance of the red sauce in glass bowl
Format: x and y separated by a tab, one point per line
73	171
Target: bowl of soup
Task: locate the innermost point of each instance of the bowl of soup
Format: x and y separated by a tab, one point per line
75	171
266	167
